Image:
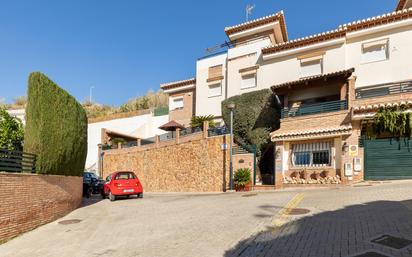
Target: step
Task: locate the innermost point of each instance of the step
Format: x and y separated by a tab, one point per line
263	187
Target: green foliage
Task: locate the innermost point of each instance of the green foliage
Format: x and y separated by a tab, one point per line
56	128
117	140
197	121
148	101
393	120
254	117
242	177
11	131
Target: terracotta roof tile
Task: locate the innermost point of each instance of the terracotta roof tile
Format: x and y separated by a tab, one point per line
279	16
375	107
176	84
347	73
308	133
341	31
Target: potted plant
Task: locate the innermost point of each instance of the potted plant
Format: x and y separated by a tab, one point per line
242	179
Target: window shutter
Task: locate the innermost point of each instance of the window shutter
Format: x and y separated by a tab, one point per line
215	71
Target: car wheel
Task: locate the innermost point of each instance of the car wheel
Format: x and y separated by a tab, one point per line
112	197
103	195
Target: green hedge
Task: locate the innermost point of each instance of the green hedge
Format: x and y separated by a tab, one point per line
255	116
56	128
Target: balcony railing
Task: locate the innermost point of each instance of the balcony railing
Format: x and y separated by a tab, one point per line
384	89
308	109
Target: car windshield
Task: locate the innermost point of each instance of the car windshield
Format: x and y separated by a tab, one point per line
125	175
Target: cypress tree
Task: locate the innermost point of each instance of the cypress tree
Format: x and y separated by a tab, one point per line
56	128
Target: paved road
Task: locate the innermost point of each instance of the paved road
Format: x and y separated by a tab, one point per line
341	222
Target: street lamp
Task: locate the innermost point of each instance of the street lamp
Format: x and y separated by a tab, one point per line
231	107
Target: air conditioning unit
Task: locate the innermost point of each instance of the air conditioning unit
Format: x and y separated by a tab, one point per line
357	164
348	170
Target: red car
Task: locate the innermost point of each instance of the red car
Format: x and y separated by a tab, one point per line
122	183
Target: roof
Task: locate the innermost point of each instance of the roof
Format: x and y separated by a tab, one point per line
400	5
171	126
118	134
311	133
313	39
176	84
340	31
279	16
345	73
375	107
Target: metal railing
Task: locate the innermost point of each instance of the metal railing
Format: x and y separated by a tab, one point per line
308	109
17	161
383	89
218	131
160	111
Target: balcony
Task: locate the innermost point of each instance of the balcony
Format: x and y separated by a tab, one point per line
309	109
383	90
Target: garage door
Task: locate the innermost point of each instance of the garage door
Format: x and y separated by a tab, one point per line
388	159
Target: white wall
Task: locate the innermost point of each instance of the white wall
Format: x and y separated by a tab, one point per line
287	68
18	113
396	68
206	105
143	126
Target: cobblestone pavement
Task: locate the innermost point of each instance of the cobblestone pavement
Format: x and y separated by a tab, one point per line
341	222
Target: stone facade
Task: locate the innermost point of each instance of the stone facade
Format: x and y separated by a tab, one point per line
188	164
31	200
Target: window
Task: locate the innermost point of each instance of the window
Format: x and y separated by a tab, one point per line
176	103
215	89
311	154
248	81
124	175
375	51
215	71
311	66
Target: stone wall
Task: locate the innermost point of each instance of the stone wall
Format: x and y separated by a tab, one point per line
190	164
30	200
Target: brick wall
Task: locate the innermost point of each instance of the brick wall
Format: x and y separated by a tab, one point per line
193	165
30	200
316	121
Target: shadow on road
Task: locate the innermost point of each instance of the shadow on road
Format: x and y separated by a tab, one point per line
343	232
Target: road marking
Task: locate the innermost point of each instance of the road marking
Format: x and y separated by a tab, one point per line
281	217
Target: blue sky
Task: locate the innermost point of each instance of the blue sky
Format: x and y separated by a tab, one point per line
124	48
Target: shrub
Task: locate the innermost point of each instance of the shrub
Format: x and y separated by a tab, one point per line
255	116
242	177
11	131
197	121
56	128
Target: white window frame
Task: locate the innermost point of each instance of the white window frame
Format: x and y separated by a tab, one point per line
375	56
310	148
247	77
215	85
312	62
174	105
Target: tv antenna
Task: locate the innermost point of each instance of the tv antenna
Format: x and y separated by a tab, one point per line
249	9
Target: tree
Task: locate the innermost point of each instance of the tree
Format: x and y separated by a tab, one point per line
56	128
255	116
11	131
197	121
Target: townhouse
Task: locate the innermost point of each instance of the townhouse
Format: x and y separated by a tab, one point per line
329	86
